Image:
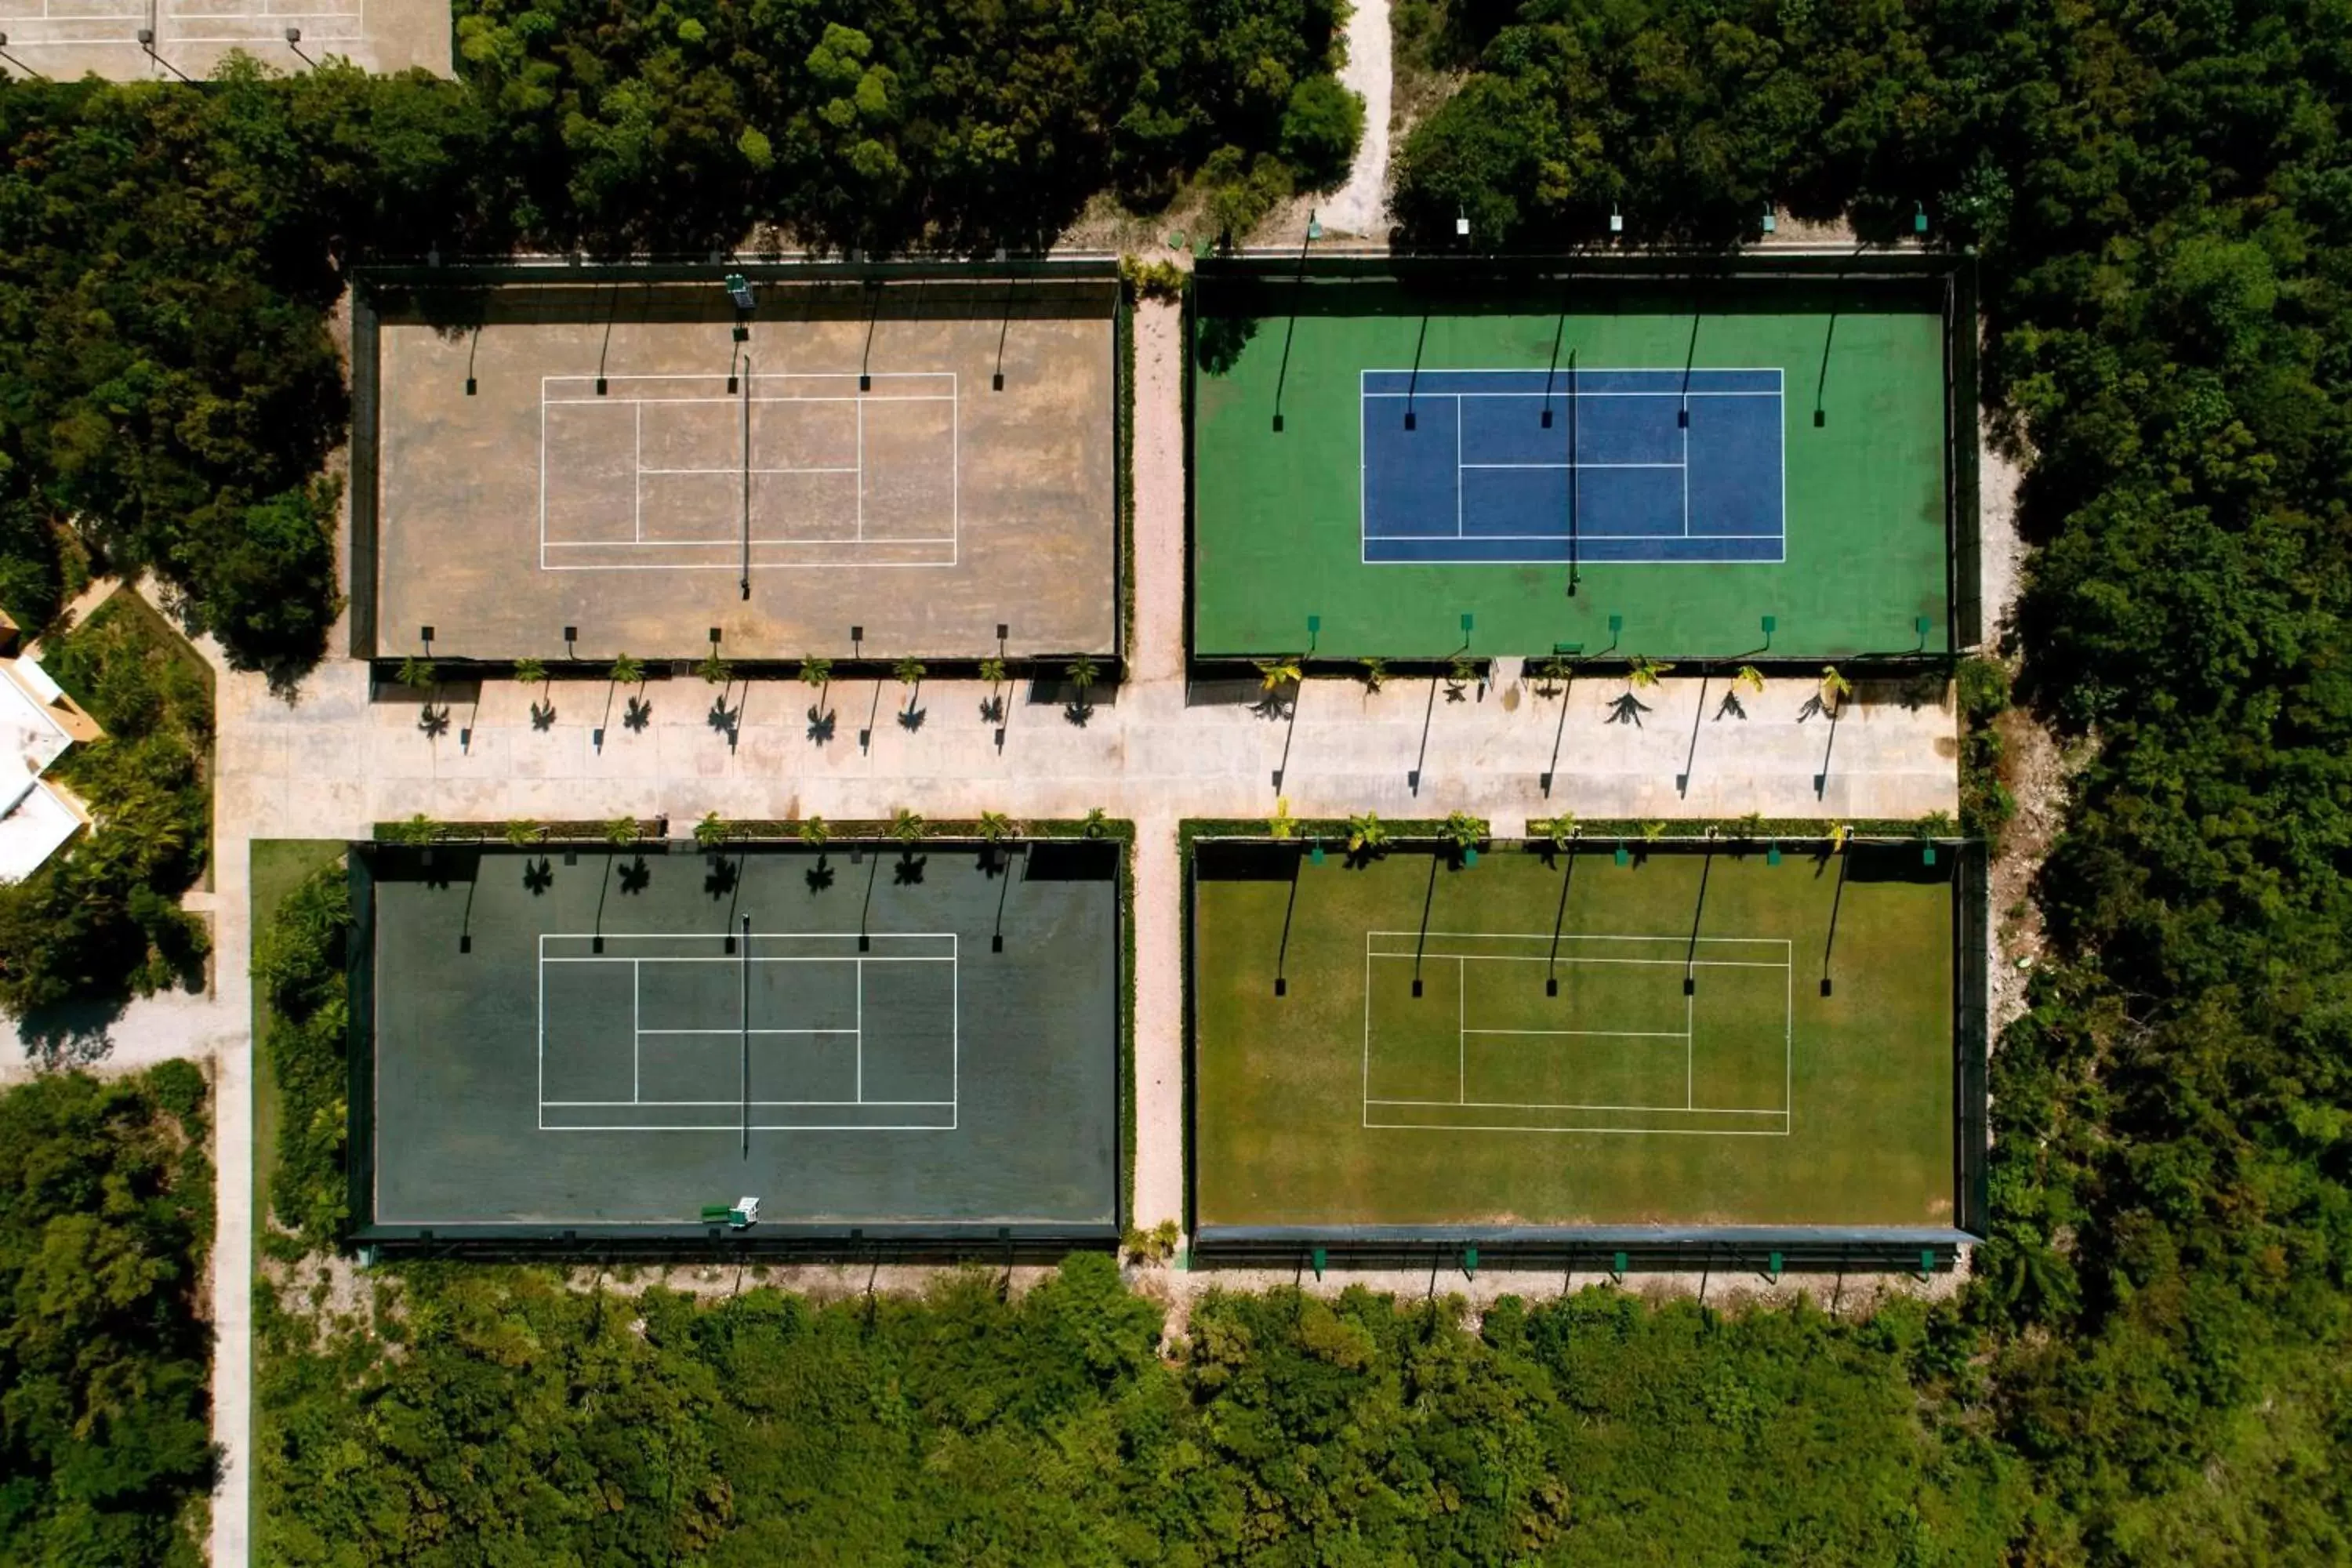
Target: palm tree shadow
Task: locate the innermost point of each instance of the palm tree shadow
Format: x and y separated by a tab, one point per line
1077	713
636	876
434	720
1731	706
992	710
723	718
909	870
538	875
819	876
1627	710
1814	707
912	719
720	881
820	725
638	714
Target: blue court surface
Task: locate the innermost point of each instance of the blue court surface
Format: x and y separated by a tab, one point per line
1634	466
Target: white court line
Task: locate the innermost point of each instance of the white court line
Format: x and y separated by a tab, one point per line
1688	1035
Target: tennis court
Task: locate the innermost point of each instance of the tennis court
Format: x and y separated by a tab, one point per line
854	1036
1689	1040
68	39
1633	466
1523	459
847	467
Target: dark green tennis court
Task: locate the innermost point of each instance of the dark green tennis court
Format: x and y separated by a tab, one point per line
860	1035
1692	1040
1402	467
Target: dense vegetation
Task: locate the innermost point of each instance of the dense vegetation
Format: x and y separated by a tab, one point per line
106	1212
170	388
2161	195
101	917
503	1415
298	976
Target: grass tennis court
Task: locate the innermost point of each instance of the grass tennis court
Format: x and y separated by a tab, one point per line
851	466
1387	459
855	1036
1572	1042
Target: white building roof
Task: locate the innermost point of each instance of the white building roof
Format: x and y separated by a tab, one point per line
35	827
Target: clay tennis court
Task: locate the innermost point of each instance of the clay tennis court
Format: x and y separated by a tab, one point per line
853	466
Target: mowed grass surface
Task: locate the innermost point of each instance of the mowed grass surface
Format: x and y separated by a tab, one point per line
1752	1100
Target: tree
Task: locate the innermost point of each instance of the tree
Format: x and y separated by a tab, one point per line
711	831
1558	831
907	825
816	672
715	670
1748	678
417	829
1376	673
1083	672
1367	834
1097	822
530	671
992	671
909	670
995	826
622	831
1320	128
814	832
1277	673
628	671
1835	690
417	674
1462	831
1282	824
1644	672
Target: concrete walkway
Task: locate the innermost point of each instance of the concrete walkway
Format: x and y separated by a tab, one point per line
1360	206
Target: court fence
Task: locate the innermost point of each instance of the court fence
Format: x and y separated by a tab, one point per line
1602	1248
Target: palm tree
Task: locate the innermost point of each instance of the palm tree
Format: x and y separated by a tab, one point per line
1376	672
711	831
1549	674
1278	672
530	672
814	831
1835	690
1462	669
909	670
1462	830
995	826
621	830
1367	834
1652	831
1749	678
715	670
417	830
1558	831
1083	672
1097	822
1646	671
520	831
416	674
992	671
628	671
816	672
1282	824
906	825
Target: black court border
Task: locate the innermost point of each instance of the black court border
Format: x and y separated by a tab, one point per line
1767	1249
945	1241
1946	280
370	283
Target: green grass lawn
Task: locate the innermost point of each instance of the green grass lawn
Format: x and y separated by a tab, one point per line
1405	1043
279	866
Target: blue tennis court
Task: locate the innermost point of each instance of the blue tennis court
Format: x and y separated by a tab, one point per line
1531	466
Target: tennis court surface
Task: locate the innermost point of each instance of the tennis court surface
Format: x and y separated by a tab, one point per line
871	468
1562	1042
600	1041
1705	467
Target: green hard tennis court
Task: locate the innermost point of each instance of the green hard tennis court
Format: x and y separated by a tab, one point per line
1687	1041
611	1042
1394	470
